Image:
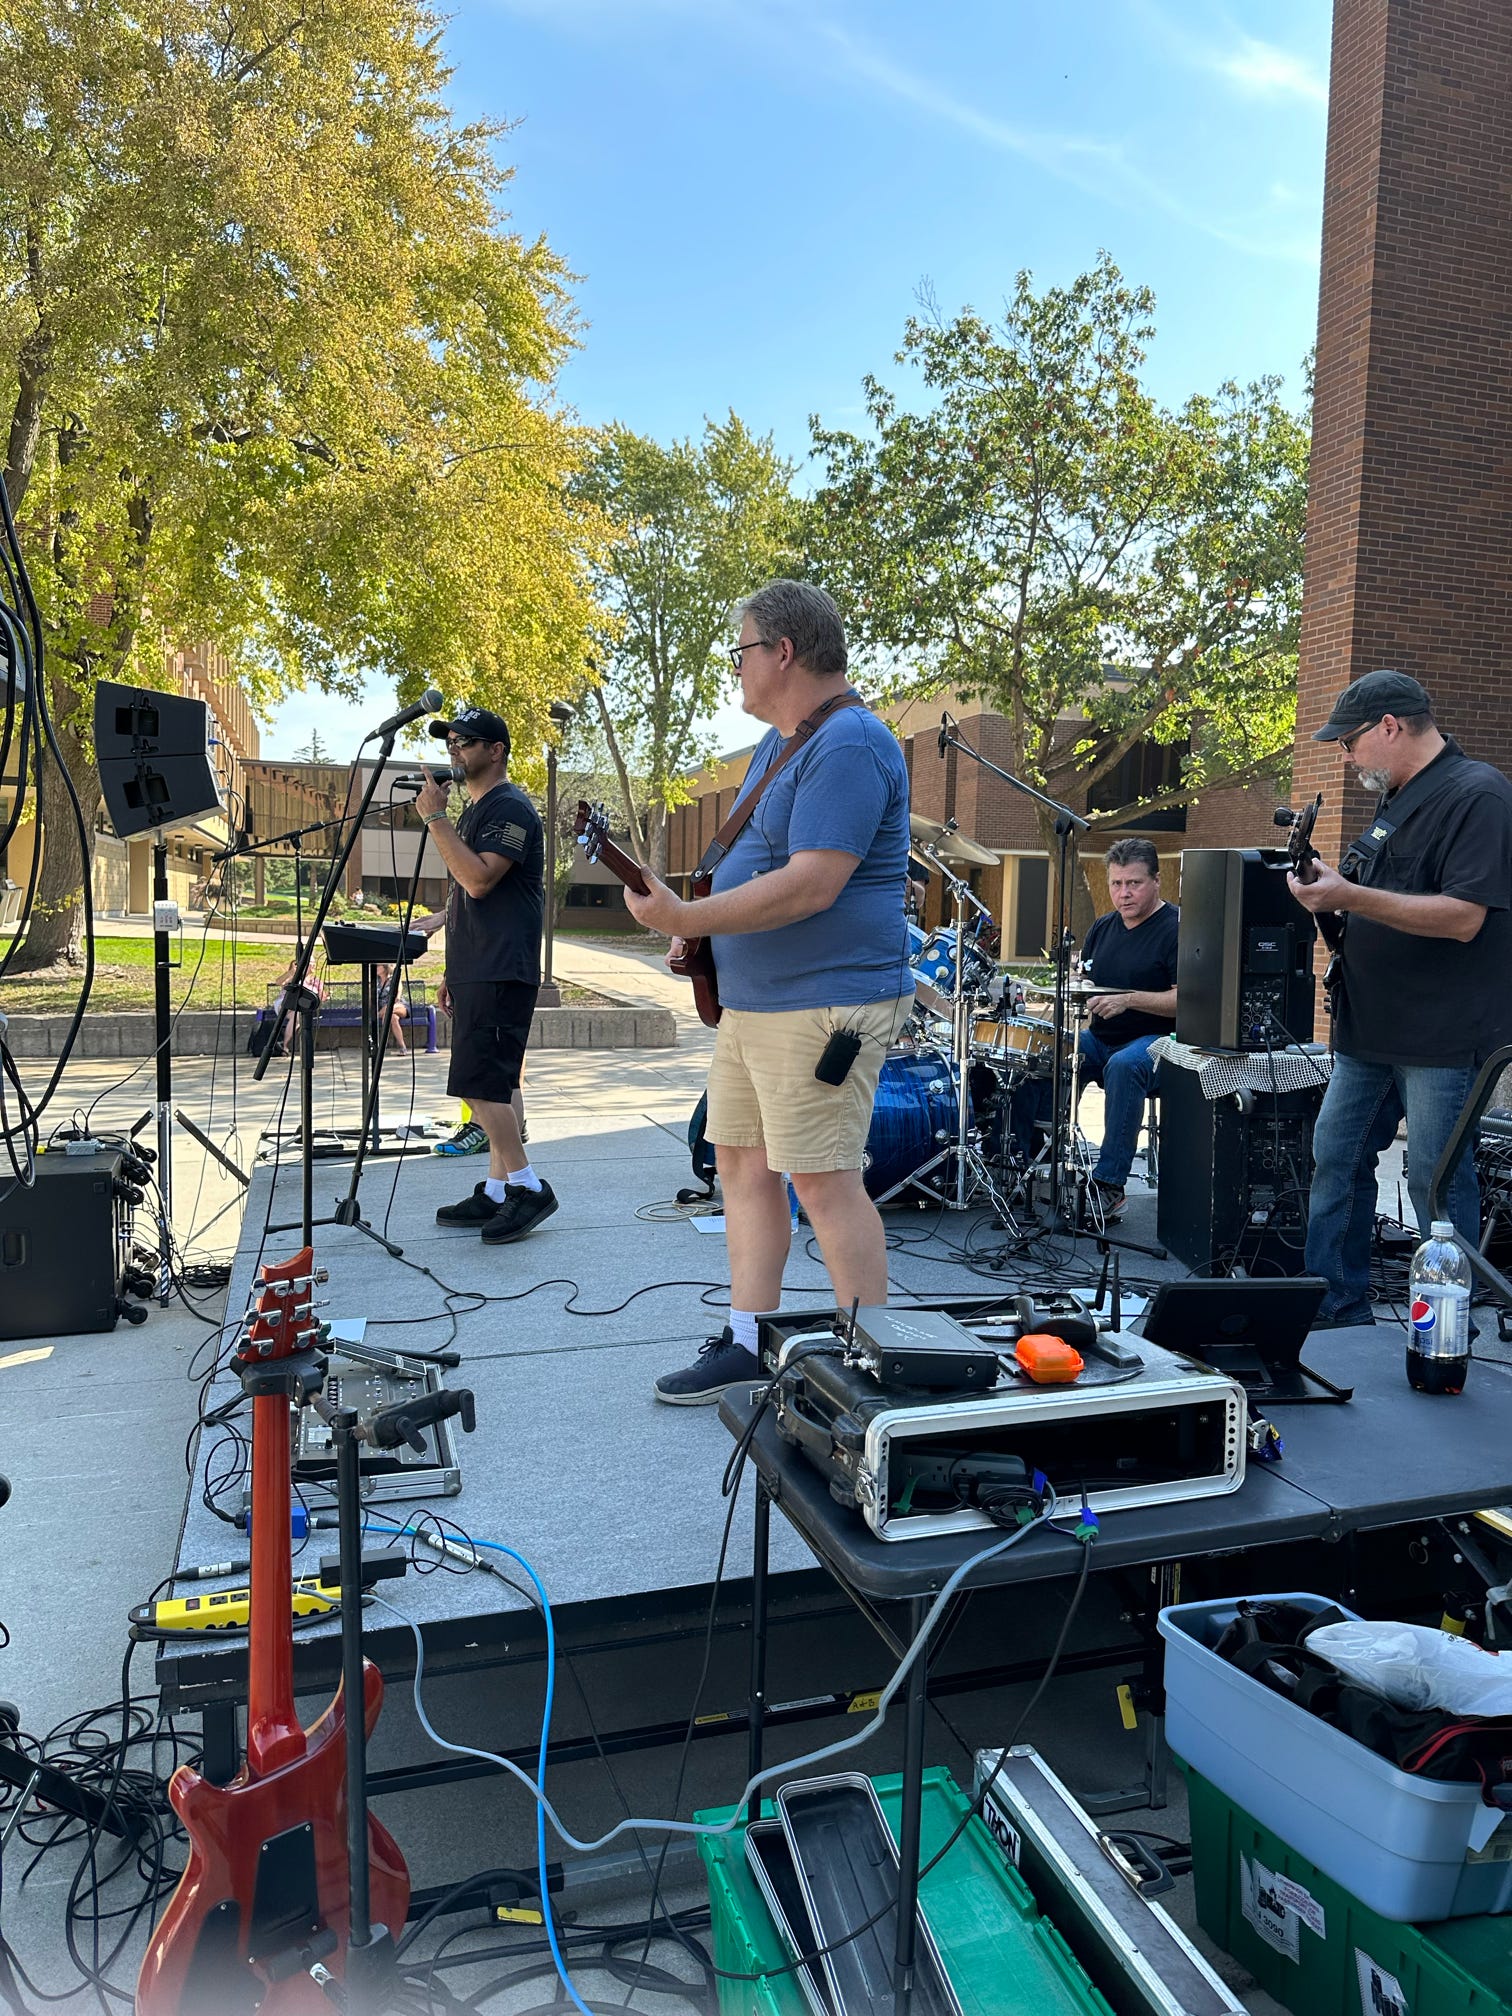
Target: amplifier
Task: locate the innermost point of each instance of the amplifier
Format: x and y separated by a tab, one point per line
64	1245
916	1463
1235	1175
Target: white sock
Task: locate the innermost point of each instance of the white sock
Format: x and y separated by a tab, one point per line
743	1328
524	1179
493	1188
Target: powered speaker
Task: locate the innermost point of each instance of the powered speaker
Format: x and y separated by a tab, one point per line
156	765
1235	1174
1244	959
64	1246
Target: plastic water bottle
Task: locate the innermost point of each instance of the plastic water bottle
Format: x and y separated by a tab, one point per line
792	1203
1438	1316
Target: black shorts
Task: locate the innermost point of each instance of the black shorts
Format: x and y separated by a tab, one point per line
490	1028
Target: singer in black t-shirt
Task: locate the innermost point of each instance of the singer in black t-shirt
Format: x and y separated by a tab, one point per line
1132	950
495	856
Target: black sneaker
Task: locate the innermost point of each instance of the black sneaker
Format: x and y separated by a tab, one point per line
472	1211
721	1364
521	1212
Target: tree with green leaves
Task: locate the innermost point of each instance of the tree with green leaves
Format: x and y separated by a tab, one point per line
273	370
1040	533
701	524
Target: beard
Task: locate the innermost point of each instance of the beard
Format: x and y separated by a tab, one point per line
1378	781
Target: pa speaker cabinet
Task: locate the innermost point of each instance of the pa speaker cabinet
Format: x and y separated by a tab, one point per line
156	764
63	1248
1244	959
1235	1175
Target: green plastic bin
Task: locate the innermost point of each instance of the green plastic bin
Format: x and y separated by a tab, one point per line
1003	1958
1320	1951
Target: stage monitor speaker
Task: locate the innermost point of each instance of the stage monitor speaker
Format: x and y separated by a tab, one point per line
1235	1175
64	1245
1244	959
156	765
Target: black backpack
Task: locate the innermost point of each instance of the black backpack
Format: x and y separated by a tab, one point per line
702	1151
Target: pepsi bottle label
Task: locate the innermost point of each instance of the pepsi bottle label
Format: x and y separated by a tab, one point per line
1423	1316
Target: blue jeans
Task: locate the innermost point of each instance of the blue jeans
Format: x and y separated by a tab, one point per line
1359	1117
1126	1075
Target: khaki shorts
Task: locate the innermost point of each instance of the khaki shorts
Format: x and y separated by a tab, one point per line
763	1092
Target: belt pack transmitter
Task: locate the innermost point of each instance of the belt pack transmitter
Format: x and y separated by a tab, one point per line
1140	1426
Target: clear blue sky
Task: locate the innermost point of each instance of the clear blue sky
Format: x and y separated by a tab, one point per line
753	191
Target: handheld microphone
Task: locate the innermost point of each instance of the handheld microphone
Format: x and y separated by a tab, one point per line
417	782
430	702
946	724
1283	816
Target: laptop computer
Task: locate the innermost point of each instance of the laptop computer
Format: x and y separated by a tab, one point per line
1253	1330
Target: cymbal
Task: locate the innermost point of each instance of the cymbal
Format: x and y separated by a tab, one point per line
949	842
1081	990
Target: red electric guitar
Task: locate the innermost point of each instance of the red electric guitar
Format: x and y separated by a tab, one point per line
696	960
260	1914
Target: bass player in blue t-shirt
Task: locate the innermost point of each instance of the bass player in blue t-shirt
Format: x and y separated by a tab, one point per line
810	946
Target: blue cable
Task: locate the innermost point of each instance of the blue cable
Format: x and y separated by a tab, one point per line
498	1547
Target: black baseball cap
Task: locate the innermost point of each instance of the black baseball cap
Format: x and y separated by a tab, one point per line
1367	698
475	721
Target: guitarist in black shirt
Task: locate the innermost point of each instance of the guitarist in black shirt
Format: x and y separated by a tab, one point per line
1421	995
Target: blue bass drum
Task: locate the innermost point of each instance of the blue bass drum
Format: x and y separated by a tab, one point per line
913	1118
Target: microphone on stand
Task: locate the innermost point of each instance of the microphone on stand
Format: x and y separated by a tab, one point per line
946	724
430	702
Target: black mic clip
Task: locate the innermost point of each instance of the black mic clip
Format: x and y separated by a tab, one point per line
946	724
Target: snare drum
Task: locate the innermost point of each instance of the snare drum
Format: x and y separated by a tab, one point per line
935	963
1023	1040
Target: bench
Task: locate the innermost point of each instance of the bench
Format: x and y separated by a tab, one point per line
341	1008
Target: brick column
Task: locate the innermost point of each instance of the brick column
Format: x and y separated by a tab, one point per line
1409	515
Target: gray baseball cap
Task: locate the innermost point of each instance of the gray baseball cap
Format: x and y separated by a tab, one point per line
1370	696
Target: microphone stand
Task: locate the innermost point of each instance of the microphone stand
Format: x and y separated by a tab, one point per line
297	999
1068	825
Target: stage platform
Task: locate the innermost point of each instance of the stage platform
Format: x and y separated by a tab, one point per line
613	1497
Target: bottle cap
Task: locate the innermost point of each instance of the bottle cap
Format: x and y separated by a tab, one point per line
1441	1228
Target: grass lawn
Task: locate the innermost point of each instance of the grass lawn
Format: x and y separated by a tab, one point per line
124	979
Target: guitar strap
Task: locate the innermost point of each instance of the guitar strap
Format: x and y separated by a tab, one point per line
725	838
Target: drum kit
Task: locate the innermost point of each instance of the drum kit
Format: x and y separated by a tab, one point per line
963	1089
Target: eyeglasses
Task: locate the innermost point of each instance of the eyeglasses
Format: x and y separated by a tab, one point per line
460	741
1347	742
738	651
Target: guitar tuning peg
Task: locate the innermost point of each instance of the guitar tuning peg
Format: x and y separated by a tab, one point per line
322	1275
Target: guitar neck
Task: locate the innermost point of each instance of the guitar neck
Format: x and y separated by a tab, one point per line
619	863
274	1733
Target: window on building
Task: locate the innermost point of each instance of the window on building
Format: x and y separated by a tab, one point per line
1146	770
1029	933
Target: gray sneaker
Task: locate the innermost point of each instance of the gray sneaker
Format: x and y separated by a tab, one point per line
720	1365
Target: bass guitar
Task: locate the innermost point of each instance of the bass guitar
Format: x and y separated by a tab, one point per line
260	1918
1303	857
695	962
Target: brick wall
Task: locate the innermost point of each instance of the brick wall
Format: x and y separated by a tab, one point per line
1407	525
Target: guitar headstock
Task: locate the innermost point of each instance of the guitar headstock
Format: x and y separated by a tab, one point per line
591	825
283	1319
1299	845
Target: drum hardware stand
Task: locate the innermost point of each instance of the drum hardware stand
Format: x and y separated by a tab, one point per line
1067	825
962	1151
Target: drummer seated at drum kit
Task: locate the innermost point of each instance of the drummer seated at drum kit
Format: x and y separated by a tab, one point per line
1129	958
